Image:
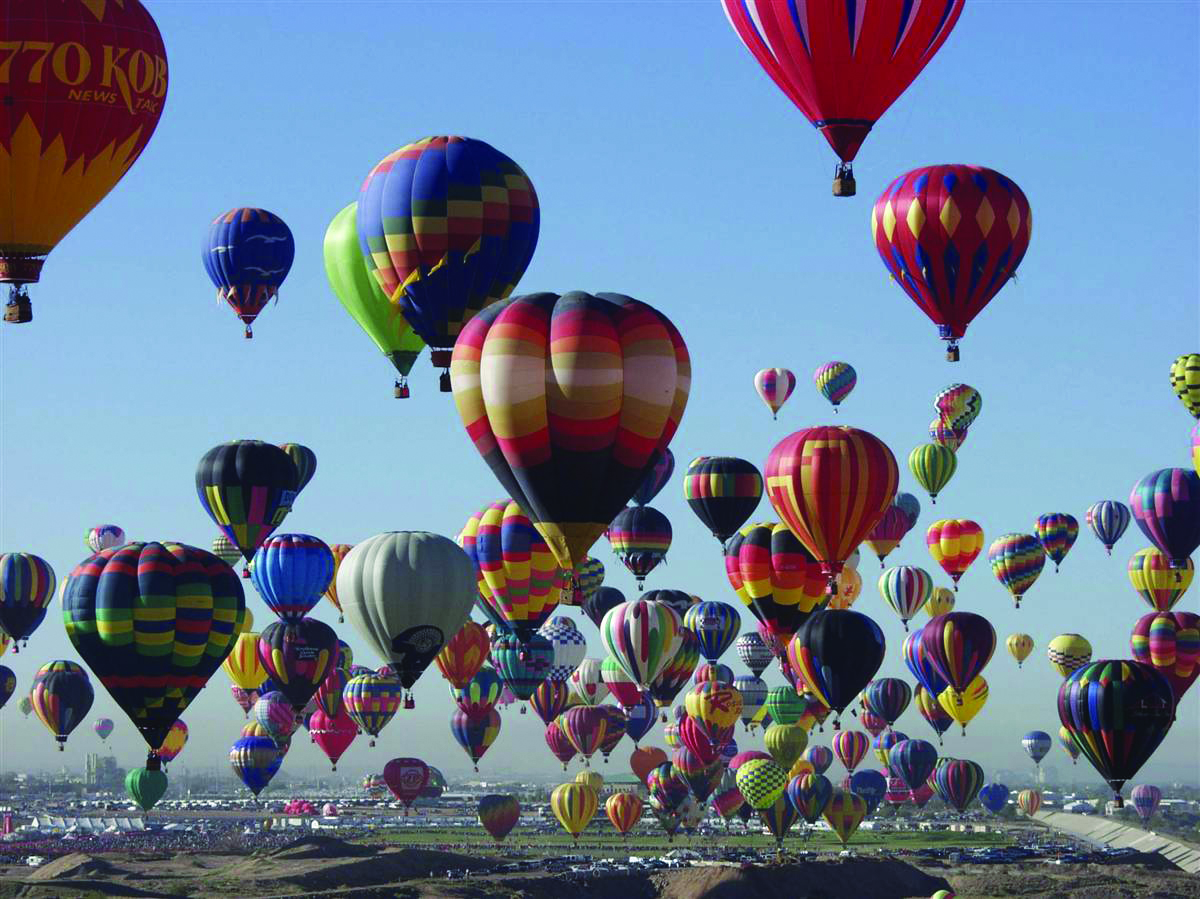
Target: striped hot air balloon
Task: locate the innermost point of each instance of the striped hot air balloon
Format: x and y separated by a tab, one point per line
834	381
723	491
774	386
905	588
954	543
643	636
1056	532
1017	560
1108	520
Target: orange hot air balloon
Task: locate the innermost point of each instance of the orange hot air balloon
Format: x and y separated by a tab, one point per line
624	810
831	485
645	760
84	83
464	654
339	551
954	543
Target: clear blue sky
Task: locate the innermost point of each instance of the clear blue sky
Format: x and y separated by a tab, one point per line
668	167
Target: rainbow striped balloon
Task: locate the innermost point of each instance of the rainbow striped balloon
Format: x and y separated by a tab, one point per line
1156	582
835	380
1056	532
1017	560
640	536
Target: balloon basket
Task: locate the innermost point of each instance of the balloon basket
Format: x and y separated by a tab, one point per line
249	333
400	390
444	382
19	309
844	184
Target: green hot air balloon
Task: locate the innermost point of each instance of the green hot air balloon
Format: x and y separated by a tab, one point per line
933	465
365	300
761	782
407	593
145	787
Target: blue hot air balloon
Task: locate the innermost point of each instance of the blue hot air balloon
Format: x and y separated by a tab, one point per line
247	254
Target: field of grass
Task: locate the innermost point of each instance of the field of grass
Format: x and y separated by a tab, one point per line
606	841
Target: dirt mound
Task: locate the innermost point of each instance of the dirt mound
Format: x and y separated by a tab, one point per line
321	847
1087	881
75	866
861	878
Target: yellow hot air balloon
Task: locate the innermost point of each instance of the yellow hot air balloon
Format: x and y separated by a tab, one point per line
247	623
940	602
242	665
590	779
962	707
785	742
574	805
718	706
1067	652
339	551
1019	647
849	586
1160	585
800	768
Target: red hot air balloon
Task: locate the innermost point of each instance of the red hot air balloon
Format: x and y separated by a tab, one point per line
406	778
831	485
951	236
843	64
84	86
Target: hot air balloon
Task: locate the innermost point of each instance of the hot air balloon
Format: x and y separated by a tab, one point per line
247	487
274	714
882	745
774	386
8	685
912	761
1036	744
570	646
516	572
464	654
597	606
406	593
475	733
640	537
64	151
933	465
775	577
944	435
905	588
810	476
1067	742
1156	582
298	655
104	536
242	664
447	226
586	684
753	652
809	795
678	600
994	796
845	812
713	671
290	572
842	67
954	544
778	818
958	645
332	734
941	601
958	782
930	221
1118	712
1166	506
619	684
887	697
930	707
640	718
247	254
174	742
166	595
371	700
558	743
677	671
886	535
754	695
919	664
145	787
834	381
585	727
1056	532
549	700
624	810
102	727
26	587
365	301
406	779
255	758
1170	643
656	478
1019	647
785	743
1029	801
523	664
498	815
837	653
61	697
761	782
480	694
643	636
543	471
1017	560
574	805
723	491
1108	520
1068	652
716	626
589	575
783	705
850	746
964	706
1185	381
1145	801
820	757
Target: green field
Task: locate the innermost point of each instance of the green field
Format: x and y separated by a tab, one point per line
606	842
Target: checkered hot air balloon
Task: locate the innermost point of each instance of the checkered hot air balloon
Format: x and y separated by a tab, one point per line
1108	520
809	475
842	65
761	782
753	652
542	446
951	236
570	646
1056	532
447	225
371	700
